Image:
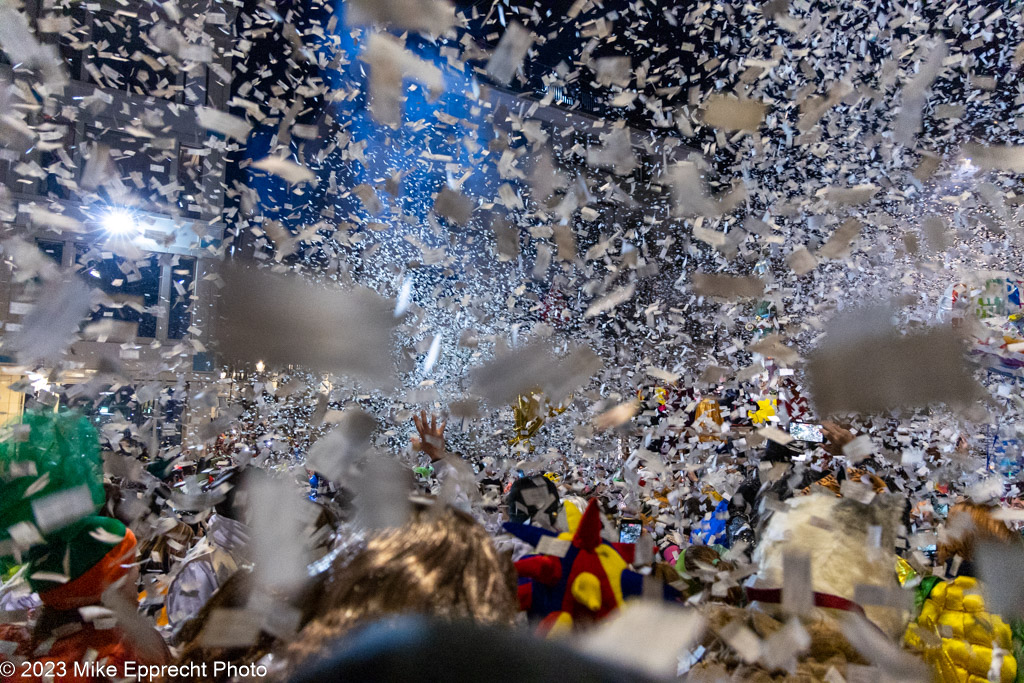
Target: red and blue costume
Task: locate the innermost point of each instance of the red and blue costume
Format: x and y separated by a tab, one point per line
588	583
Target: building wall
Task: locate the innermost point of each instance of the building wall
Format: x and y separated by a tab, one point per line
11	401
164	169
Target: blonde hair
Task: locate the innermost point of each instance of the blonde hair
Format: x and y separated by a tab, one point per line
441	564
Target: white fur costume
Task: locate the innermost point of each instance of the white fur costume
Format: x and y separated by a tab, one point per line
835	533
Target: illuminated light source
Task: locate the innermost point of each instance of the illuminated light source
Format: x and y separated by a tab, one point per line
260	366
120	222
39	382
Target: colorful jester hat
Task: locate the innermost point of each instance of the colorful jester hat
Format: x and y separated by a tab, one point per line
586	583
51	486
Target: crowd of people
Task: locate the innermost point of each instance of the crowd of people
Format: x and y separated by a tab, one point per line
710	314
802	558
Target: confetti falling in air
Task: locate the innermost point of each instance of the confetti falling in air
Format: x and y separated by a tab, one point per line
262	236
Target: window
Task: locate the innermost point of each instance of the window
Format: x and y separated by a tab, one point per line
170	425
144	172
73	43
190	177
197	85
54	250
183	276
57	138
133	285
122	58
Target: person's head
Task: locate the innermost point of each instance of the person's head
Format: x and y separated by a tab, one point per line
418	649
533	500
442	564
703	563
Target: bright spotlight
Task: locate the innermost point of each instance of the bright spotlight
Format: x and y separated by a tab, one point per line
120	222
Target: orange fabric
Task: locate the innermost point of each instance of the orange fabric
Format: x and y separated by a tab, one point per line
14	634
111	647
87	588
709	407
830	482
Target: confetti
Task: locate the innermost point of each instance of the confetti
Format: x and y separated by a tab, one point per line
390	65
839	244
453	206
433	17
732	113
616	416
53	323
869	372
511	51
344	332
727	286
519	371
641	216
611	300
223	123
57	510
284	168
231	628
996	157
646	636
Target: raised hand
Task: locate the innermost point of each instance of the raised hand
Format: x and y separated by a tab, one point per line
837	437
431	435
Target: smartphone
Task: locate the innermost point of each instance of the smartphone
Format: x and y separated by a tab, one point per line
629	530
929	551
805	431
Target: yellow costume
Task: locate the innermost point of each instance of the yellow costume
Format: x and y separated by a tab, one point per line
765	409
955	634
709	410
